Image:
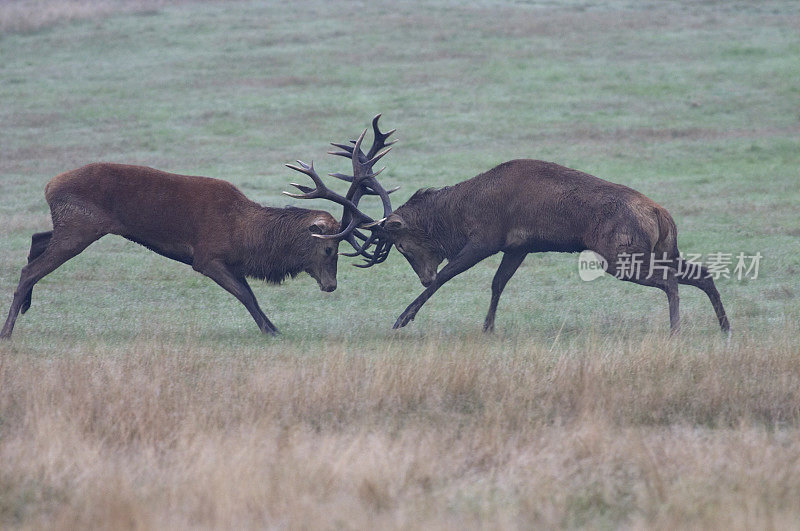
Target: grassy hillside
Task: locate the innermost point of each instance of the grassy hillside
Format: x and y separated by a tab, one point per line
137	385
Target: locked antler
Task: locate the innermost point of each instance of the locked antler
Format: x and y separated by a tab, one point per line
363	182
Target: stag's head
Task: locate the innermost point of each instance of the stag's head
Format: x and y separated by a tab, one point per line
414	242
323	253
363	182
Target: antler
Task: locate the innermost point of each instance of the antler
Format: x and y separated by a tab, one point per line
363	182
362	165
323	192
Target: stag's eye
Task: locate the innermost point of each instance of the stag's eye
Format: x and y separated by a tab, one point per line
400	248
329	251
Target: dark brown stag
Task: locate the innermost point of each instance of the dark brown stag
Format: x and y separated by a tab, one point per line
531	206
206	223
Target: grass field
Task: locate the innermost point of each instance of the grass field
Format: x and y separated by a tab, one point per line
136	393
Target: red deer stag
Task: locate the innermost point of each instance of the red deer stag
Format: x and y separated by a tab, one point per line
531	206
206	223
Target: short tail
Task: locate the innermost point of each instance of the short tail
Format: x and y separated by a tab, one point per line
39	242
667	244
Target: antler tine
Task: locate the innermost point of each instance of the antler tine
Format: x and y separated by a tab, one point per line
349	178
367	188
360	235
302	188
360	249
322	191
342	176
389	191
380	255
371	162
345	147
359	171
308	193
379	140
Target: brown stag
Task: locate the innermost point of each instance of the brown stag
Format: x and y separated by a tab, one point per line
531	206
206	223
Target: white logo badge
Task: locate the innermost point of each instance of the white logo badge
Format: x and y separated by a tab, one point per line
591	265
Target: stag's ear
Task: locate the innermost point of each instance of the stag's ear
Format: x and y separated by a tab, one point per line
394	222
319	226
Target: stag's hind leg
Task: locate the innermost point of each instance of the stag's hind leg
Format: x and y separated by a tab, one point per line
63	245
669	284
635	266
39	243
508	266
698	276
76	225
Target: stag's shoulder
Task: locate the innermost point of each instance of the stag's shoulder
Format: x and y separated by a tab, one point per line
533	169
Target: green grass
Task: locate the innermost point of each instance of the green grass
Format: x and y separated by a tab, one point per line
695	105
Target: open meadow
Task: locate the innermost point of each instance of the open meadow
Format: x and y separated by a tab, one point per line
135	393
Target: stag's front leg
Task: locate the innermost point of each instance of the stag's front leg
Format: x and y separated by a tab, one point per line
468	257
508	266
239	288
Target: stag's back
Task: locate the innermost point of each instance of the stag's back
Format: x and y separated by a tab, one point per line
149	204
554	208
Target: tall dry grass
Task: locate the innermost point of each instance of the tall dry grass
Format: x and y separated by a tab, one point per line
442	434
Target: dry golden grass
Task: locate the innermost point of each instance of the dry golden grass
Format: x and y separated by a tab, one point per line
443	433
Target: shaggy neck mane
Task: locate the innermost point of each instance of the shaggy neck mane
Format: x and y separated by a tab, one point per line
281	245
434	212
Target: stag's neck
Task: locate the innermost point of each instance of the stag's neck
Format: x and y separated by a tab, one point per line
275	247
444	222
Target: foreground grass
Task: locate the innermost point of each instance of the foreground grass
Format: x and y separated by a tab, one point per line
477	432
